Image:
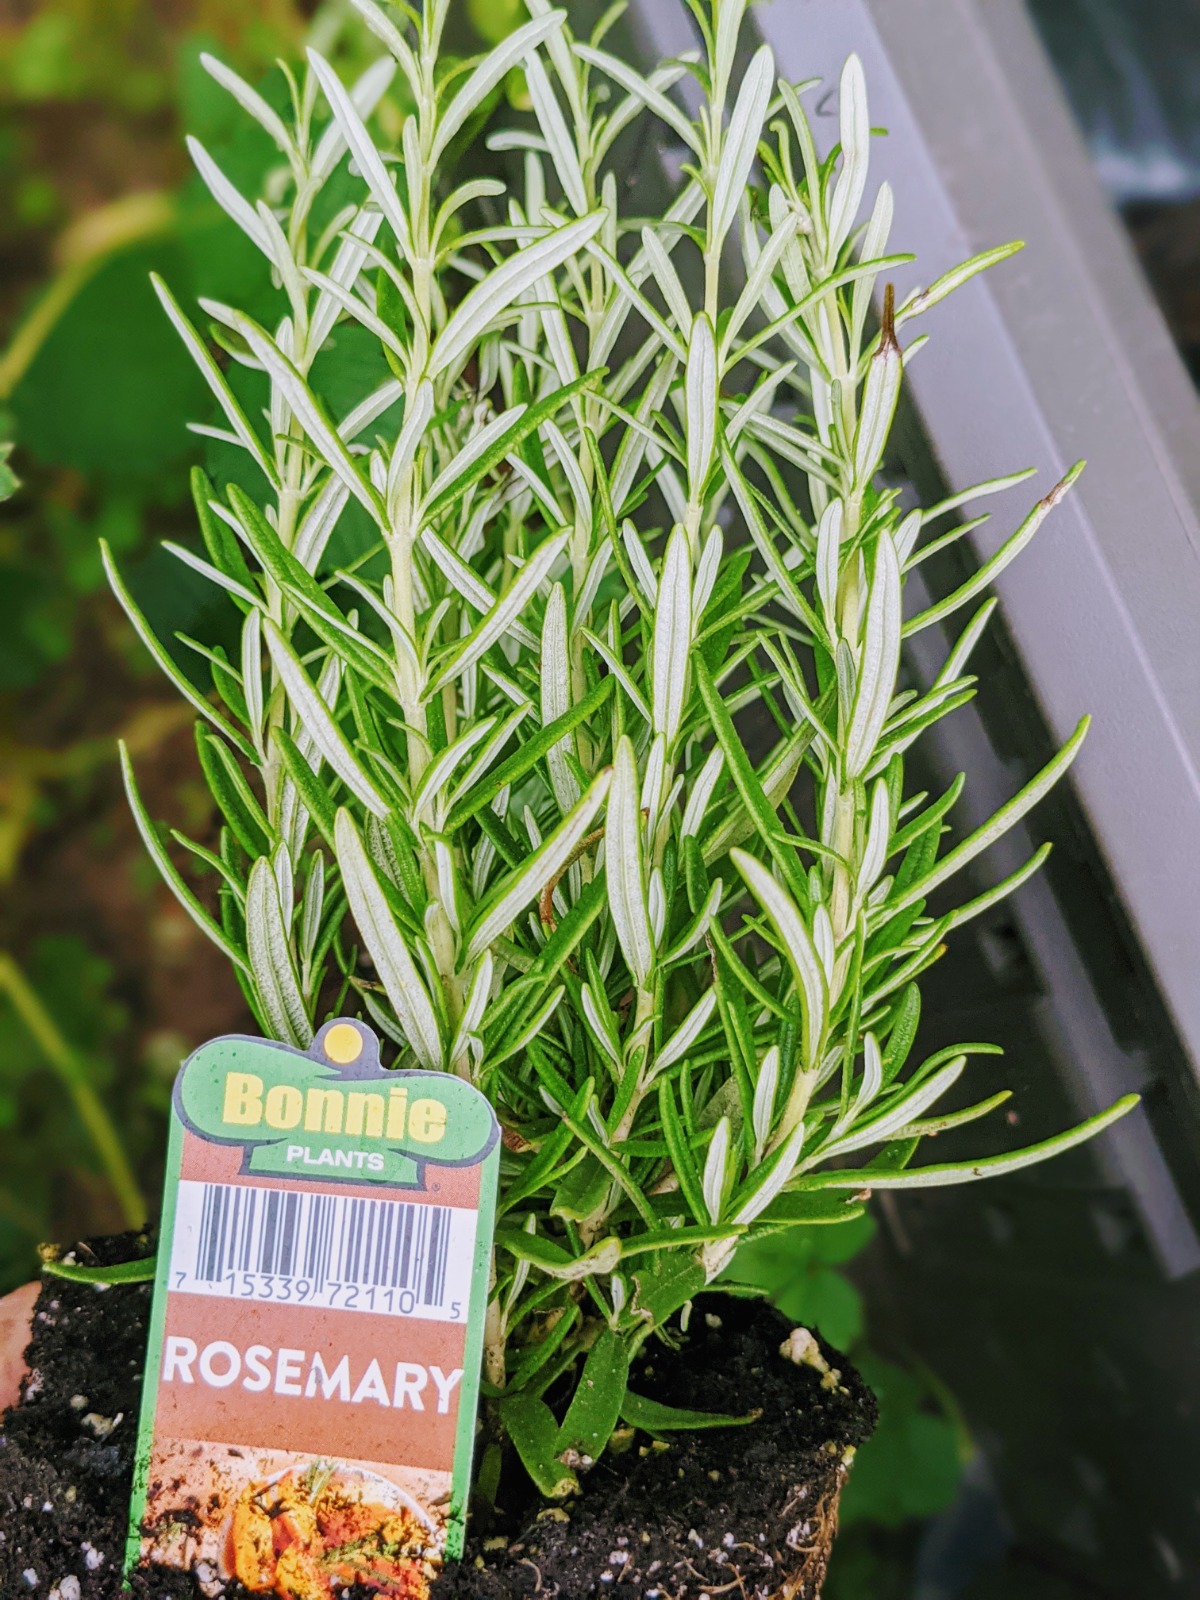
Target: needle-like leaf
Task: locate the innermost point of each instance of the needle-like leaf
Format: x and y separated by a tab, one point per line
741	143
672	637
387	946
319	724
270	956
522	887
624	867
502	288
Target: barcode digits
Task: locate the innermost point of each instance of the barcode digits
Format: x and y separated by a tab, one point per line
322	1248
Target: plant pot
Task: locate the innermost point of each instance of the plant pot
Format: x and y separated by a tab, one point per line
751	1510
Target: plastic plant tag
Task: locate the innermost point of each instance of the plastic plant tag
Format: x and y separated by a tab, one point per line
313	1366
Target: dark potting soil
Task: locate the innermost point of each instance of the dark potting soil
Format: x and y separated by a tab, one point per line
741	1502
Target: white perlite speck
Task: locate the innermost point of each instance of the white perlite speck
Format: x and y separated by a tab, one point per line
801	1347
102	1426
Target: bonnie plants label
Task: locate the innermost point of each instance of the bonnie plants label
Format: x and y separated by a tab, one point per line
313	1368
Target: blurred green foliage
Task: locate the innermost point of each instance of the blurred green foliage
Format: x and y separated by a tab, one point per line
96	394
96	397
799	1271
100	412
911	1467
74	987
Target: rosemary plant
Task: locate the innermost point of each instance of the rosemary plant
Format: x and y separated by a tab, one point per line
477	755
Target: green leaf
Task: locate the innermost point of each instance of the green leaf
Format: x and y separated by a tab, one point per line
549	1158
506	442
582	1192
300	586
512	1012
492	298
686	1171
955	1119
617	1169
223	549
185	686
319	724
556	1262
954	279
1001	891
674	1240
533	1429
806	1208
306	407
665	1285
166	867
512	894
936	1177
9	482
790	593
387	947
652	1416
313	793
535	1357
905	1021
991	569
215	380
926	819
995	827
749	786
123	1272
271	962
596	1404
228	787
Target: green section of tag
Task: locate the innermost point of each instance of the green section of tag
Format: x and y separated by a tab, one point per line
154	1347
315	1122
464	1444
269	1099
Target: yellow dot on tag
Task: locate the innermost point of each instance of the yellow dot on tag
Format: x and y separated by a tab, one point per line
343	1043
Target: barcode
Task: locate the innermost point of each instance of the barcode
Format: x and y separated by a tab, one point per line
338	1251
